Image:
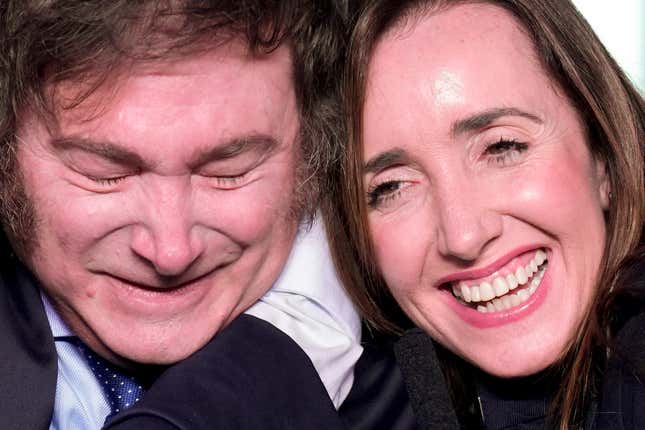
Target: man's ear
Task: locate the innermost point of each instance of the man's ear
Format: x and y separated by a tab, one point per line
603	183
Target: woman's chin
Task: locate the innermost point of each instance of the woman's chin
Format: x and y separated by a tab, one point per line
520	365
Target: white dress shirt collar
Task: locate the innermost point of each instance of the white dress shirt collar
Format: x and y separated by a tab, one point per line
308	303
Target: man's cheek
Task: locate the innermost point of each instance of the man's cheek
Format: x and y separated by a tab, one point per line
77	224
245	214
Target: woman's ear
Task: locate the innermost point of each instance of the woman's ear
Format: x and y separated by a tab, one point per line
604	184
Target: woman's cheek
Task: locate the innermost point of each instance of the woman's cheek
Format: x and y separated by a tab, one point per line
401	247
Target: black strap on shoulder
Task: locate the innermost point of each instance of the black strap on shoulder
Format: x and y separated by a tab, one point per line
425	382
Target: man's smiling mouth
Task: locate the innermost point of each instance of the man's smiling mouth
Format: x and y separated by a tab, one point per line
503	293
161	287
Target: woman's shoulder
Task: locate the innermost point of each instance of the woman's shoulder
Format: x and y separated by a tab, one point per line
628	346
623	387
628	342
623	390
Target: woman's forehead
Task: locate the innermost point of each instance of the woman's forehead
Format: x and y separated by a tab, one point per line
466	58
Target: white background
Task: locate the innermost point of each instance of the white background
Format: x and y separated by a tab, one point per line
620	24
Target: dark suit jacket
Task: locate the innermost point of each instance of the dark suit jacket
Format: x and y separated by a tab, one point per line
378	399
250	376
28	358
252	392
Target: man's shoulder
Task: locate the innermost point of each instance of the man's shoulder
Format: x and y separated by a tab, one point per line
251	375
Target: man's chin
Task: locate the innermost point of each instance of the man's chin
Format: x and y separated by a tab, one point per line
160	349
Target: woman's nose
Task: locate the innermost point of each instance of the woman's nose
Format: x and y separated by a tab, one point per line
467	221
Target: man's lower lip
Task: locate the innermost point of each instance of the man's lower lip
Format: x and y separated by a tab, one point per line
492	319
146	290
142	300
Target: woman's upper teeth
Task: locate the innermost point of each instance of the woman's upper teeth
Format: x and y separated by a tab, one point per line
500	285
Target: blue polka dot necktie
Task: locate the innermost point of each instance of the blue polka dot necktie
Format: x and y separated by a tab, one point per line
122	390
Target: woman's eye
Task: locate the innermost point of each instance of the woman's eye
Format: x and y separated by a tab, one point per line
383	193
505	151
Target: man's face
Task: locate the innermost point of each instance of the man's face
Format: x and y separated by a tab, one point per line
163	204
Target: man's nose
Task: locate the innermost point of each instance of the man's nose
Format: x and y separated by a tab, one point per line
467	220
165	235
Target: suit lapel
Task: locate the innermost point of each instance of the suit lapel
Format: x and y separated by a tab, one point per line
28	360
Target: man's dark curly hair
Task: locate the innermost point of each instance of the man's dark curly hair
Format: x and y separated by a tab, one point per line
43	42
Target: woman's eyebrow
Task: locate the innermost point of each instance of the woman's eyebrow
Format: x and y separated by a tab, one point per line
385	159
483	119
472	123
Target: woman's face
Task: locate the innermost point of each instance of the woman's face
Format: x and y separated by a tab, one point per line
485	204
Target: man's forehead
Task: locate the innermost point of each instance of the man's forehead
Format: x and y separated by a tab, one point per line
218	96
234	61
207	77
228	52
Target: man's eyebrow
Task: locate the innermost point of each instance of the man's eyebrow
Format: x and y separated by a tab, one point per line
236	146
385	159
484	119
105	149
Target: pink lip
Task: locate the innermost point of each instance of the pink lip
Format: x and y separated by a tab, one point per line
487	270
145	299
167	285
494	319
156	288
